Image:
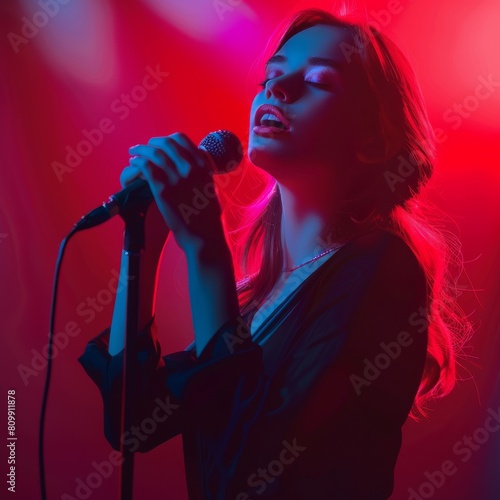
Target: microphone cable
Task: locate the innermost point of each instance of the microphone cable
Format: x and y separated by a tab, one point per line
45	397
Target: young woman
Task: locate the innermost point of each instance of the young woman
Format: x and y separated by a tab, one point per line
301	376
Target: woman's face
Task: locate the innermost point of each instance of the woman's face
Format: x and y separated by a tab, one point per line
312	84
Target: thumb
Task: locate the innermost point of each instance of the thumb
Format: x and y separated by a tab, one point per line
128	175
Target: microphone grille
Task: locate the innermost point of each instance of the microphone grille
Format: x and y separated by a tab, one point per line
225	149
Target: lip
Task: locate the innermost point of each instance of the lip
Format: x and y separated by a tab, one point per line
269	131
269	108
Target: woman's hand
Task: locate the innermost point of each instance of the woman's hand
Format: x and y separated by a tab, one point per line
178	174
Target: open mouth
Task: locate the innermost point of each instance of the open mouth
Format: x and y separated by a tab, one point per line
269	119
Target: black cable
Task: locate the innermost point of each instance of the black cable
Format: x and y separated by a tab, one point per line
41	465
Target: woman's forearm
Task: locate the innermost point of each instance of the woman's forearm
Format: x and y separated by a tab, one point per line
147	287
212	291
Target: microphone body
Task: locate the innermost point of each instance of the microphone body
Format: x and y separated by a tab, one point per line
224	151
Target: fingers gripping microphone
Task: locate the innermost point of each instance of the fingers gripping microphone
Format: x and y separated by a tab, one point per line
224	150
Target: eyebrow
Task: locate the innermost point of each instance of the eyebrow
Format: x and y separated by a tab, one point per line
313	61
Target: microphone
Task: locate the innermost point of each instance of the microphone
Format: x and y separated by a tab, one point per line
224	151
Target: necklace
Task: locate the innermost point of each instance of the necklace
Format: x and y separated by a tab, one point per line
313	259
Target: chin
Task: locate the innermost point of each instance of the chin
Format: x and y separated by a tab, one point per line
275	165
262	150
264	157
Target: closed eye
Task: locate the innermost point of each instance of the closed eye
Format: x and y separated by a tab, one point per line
323	78
318	84
263	83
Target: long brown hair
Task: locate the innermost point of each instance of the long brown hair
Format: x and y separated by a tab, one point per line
394	199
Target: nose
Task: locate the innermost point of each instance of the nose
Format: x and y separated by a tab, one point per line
281	88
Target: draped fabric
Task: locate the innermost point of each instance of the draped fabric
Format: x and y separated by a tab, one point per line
309	407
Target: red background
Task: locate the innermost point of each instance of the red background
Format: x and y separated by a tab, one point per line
66	77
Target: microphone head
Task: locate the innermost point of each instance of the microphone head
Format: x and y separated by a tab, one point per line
225	150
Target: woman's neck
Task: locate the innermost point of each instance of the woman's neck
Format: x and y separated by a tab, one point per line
307	225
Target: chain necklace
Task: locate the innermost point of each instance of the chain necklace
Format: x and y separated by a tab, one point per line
313	259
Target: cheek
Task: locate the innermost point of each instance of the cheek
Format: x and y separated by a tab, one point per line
328	133
325	109
327	121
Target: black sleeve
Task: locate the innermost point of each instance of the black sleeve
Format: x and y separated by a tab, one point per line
173	391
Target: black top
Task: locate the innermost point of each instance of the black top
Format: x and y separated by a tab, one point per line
316	411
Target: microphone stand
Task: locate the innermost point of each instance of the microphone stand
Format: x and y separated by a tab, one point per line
134	248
